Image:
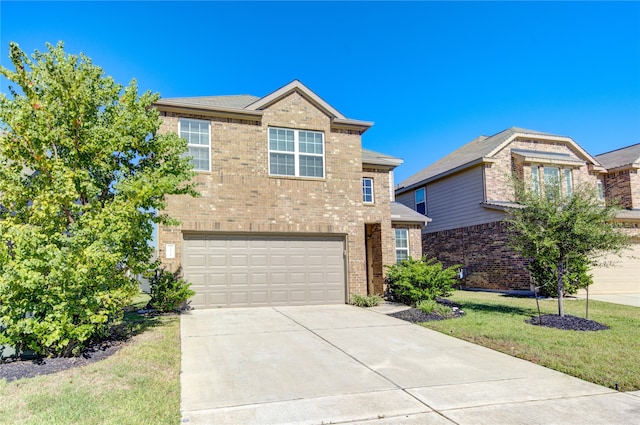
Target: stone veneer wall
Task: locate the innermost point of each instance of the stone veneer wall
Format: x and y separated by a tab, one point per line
484	250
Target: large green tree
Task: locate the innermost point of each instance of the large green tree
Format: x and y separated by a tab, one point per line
82	172
567	233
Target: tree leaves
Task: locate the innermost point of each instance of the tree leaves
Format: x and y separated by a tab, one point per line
82	172
558	231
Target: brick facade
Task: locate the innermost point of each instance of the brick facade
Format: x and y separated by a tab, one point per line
623	187
482	247
497	175
239	196
485	253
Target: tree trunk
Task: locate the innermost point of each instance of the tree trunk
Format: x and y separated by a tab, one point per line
560	288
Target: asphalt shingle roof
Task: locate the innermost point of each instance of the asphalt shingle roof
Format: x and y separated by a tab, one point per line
240	101
377	158
404	214
621	157
476	149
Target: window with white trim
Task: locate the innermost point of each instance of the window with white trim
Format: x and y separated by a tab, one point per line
568	182
421	201
402	244
551	180
367	190
600	188
197	133
297	153
535	179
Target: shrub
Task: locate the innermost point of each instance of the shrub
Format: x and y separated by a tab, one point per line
411	281
366	300
432	306
168	290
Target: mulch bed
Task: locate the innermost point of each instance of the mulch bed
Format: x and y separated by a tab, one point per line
15	368
415	315
567	322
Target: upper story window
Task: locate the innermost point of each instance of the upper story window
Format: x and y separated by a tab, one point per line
197	133
402	244
367	190
297	153
600	189
568	182
535	179
421	201
552	180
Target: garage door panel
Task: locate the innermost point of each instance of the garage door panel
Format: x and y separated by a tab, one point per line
623	277
197	260
259	297
278	260
278	297
266	270
216	299
216	260
241	297
259	260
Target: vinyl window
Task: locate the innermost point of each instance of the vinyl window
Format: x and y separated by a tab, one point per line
421	201
297	153
198	136
367	190
402	244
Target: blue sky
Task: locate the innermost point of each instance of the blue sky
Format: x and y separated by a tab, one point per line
431	75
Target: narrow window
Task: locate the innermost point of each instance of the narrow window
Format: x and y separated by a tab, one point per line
568	182
551	182
600	189
535	179
421	202
296	153
367	190
402	244
197	133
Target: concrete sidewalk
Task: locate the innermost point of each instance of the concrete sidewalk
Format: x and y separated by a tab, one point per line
343	364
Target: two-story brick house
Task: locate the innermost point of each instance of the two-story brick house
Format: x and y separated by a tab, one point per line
468	192
292	209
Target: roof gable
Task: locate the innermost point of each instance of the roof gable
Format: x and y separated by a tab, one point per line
483	150
251	107
304	91
628	157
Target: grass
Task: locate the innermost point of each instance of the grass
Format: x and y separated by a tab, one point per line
139	384
366	300
604	357
432	306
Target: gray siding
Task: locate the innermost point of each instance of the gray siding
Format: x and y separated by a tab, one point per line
454	202
408	199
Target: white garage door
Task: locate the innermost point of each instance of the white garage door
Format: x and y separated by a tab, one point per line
622	278
240	271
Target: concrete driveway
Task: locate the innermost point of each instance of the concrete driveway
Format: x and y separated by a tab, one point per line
343	364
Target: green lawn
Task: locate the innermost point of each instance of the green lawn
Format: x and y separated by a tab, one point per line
603	357
139	384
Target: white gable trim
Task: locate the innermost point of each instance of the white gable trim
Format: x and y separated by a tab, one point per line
595	165
303	90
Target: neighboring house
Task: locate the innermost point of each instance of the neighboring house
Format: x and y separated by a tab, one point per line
468	192
292	210
622	185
